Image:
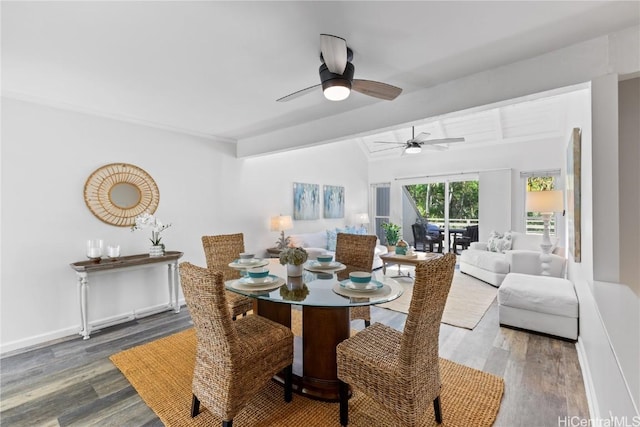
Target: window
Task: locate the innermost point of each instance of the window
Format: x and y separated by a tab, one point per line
381	207
539	181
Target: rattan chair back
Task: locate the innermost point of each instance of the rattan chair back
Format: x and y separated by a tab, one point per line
222	249
206	299
355	251
419	344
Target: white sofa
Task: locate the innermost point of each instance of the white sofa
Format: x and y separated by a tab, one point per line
318	243
523	257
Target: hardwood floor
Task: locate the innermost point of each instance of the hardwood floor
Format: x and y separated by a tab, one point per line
73	383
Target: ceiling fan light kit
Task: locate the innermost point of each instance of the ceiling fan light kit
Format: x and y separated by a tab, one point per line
336	87
413	148
415	144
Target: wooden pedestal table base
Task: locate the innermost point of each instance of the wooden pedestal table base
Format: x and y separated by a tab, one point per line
326	327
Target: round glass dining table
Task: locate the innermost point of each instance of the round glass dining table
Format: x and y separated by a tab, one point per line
325	302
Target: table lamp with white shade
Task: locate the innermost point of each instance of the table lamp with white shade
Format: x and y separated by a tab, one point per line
361	218
546	203
281	223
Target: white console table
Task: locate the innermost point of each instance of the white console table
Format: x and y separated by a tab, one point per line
84	268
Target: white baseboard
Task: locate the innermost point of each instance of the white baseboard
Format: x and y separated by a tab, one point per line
592	399
36	340
71	331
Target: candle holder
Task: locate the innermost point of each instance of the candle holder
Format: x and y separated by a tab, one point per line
94	249
113	251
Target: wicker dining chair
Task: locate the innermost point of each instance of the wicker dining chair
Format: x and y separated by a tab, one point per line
234	359
356	252
220	251
400	370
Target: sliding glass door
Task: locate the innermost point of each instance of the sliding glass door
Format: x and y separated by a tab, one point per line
449	203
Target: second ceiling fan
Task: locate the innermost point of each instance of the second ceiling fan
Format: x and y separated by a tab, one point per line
415	144
336	75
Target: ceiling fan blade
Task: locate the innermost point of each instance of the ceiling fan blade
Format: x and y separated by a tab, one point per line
297	94
442	141
376	89
421	137
388	142
334	52
435	147
385	149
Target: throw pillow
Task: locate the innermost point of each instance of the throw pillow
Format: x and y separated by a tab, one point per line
352	229
507	242
499	242
331	239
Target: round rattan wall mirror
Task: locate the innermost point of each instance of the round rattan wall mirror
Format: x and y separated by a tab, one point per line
118	192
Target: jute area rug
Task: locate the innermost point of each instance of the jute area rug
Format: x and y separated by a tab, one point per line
161	373
469	299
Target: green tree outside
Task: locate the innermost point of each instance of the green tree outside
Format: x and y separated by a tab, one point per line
462	198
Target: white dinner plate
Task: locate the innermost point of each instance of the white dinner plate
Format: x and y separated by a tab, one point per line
372	286
254	262
241	284
264	281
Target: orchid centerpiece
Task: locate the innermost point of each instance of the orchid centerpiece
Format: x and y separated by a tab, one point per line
146	220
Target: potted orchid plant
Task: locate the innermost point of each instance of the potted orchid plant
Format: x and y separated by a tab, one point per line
146	220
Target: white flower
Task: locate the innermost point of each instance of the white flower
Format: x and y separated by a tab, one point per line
146	220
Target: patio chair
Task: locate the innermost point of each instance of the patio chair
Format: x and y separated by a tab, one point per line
421	239
470	235
400	370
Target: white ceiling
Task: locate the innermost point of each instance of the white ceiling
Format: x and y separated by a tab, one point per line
537	117
215	69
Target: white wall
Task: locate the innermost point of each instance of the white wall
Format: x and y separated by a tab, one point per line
47	155
609	319
629	175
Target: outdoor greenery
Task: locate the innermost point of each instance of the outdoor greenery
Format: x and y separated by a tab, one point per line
430	199
539	183
534	219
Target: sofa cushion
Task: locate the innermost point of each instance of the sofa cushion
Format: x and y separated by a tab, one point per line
332	237
309	240
541	294
492	261
499	242
530	242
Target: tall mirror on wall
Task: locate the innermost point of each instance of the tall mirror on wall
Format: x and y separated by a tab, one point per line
118	192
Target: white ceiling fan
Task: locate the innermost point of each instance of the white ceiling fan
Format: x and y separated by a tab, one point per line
417	142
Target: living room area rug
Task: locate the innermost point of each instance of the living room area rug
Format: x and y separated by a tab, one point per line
468	300
161	372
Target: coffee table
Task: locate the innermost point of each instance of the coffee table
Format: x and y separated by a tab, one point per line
414	259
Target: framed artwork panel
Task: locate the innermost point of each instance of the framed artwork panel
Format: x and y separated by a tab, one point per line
306	201
333	201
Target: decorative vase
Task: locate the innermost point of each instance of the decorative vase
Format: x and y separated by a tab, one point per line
391	248
294	270
156	250
401	247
